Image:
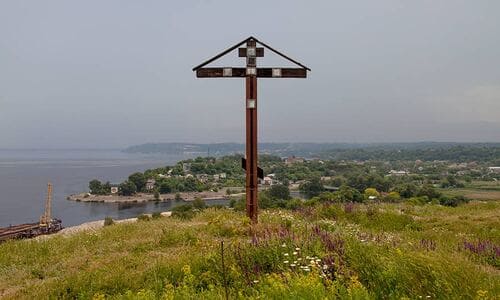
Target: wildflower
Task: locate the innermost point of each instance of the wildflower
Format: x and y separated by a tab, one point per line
284	245
312	262
295	253
255	281
285	262
325	267
286	254
297	249
307	269
318	260
292	265
299	259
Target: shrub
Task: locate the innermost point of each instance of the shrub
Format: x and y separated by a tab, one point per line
199	203
156	215
183	212
143	217
452	200
178	197
108	221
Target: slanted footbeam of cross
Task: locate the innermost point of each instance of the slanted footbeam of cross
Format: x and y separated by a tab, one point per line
251	73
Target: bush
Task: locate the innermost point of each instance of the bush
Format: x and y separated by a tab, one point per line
452	200
199	203
178	197
108	221
183	212
143	217
156	215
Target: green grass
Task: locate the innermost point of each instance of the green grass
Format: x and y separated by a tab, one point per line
389	251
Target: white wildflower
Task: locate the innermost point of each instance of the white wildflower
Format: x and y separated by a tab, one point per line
286	254
255	281
285	262
295	253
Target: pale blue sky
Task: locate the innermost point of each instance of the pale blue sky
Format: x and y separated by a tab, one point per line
114	73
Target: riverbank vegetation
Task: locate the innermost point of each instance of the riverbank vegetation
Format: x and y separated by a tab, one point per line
319	249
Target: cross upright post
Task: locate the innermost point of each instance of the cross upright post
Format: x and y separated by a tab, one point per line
251	133
251	72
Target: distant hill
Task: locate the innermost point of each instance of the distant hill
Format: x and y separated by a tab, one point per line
337	151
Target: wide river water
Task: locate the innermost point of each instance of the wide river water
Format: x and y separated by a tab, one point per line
24	175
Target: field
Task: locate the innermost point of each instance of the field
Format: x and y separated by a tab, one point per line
479	190
325	251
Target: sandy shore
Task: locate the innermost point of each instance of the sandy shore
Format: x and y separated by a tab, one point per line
145	197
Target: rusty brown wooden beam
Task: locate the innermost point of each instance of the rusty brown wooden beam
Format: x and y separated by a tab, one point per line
261	72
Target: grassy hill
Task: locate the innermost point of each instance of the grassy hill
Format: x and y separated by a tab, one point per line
324	251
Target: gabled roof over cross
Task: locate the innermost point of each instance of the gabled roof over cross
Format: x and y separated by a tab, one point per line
243	72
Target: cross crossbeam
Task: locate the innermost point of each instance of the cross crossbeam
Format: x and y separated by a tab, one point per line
251	73
261	72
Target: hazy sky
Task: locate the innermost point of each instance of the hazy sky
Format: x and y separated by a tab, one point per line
104	73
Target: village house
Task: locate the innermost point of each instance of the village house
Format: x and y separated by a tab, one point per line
494	169
202	177
267	181
150	184
398	173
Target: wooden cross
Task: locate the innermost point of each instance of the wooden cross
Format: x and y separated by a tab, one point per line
250	73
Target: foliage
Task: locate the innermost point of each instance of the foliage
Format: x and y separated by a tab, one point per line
279	191
143	217
108	221
183	212
139	180
98	188
199	203
127	188
312	187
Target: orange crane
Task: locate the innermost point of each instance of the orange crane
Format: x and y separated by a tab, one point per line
46	218
46	225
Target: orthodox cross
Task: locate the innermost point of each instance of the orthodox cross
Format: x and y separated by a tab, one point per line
251	73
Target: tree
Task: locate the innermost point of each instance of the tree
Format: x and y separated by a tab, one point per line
371	192
349	194
127	188
279	191
312	188
95	187
392	197
138	179
165	188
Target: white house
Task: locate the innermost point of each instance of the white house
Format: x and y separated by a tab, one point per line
494	169
150	184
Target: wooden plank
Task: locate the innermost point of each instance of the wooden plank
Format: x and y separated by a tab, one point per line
242	52
219	72
285	73
261	72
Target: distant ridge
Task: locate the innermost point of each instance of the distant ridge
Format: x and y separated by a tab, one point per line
361	151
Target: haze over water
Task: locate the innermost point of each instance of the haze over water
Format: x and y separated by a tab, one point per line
24	175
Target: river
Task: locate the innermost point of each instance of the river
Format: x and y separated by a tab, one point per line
24	175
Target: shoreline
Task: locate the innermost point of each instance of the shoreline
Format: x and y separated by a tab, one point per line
146	197
91	226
